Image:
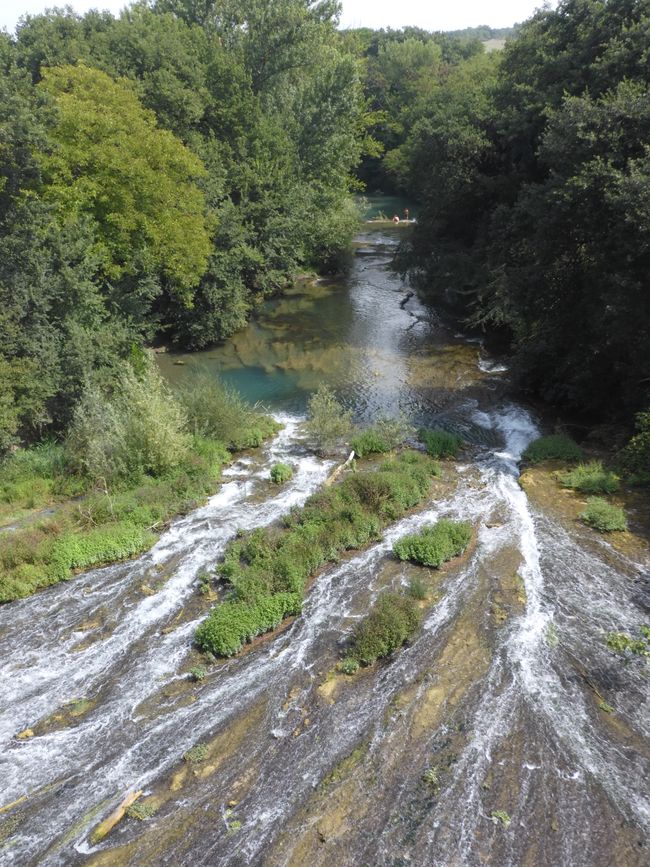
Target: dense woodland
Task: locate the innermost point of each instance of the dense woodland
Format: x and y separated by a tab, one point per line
162	171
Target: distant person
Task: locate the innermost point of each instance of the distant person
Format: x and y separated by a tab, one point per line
395	219
406	214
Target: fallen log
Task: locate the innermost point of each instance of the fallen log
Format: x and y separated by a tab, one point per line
337	472
109	823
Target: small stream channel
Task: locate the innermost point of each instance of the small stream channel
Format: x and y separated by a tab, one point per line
482	742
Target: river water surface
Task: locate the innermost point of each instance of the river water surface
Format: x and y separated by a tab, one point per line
484	741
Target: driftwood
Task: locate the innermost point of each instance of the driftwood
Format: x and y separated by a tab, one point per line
108	824
337	472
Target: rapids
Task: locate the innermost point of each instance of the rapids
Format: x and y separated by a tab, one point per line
481	742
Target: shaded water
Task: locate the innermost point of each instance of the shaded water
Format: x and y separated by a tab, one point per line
495	695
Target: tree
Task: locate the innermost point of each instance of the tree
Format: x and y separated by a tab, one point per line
110	161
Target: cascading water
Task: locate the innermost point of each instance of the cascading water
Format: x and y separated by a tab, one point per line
481	742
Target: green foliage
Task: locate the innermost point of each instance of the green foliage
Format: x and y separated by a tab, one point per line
197	674
391	621
635	457
141	811
138	430
501	817
432	778
349	665
440	443
328	423
108	160
281	473
591	478
197	754
556	447
217	412
434	545
604	516
268	569
232	624
532	174
627	647
417	589
384	436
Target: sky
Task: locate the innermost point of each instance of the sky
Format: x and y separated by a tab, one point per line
429	14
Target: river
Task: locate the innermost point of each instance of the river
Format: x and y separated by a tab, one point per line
484	741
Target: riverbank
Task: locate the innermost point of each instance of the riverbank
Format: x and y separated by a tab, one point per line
55	523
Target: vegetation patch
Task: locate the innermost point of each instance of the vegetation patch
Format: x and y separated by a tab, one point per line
136	457
628	647
196	754
603	516
328	422
591	478
281	473
268	569
392	620
635	457
384	436
440	443
556	447
434	545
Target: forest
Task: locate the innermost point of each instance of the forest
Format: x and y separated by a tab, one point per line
165	170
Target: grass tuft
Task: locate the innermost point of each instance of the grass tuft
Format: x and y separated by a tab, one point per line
557	447
603	516
591	478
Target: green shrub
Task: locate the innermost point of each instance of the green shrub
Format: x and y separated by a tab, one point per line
591	478
196	754
137	430
231	624
197	674
434	545
328	423
392	620
635	457
440	443
384	436
281	473
349	665
369	442
217	412
604	516
557	447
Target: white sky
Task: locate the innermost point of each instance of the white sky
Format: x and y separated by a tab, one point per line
428	14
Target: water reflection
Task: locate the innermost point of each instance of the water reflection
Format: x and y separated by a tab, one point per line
367	335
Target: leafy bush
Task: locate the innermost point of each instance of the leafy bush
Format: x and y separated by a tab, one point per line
217	412
557	447
328	423
604	516
349	665
635	457
232	624
275	563
137	430
591	478
281	473
434	545
440	443
392	620
384	436
197	674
